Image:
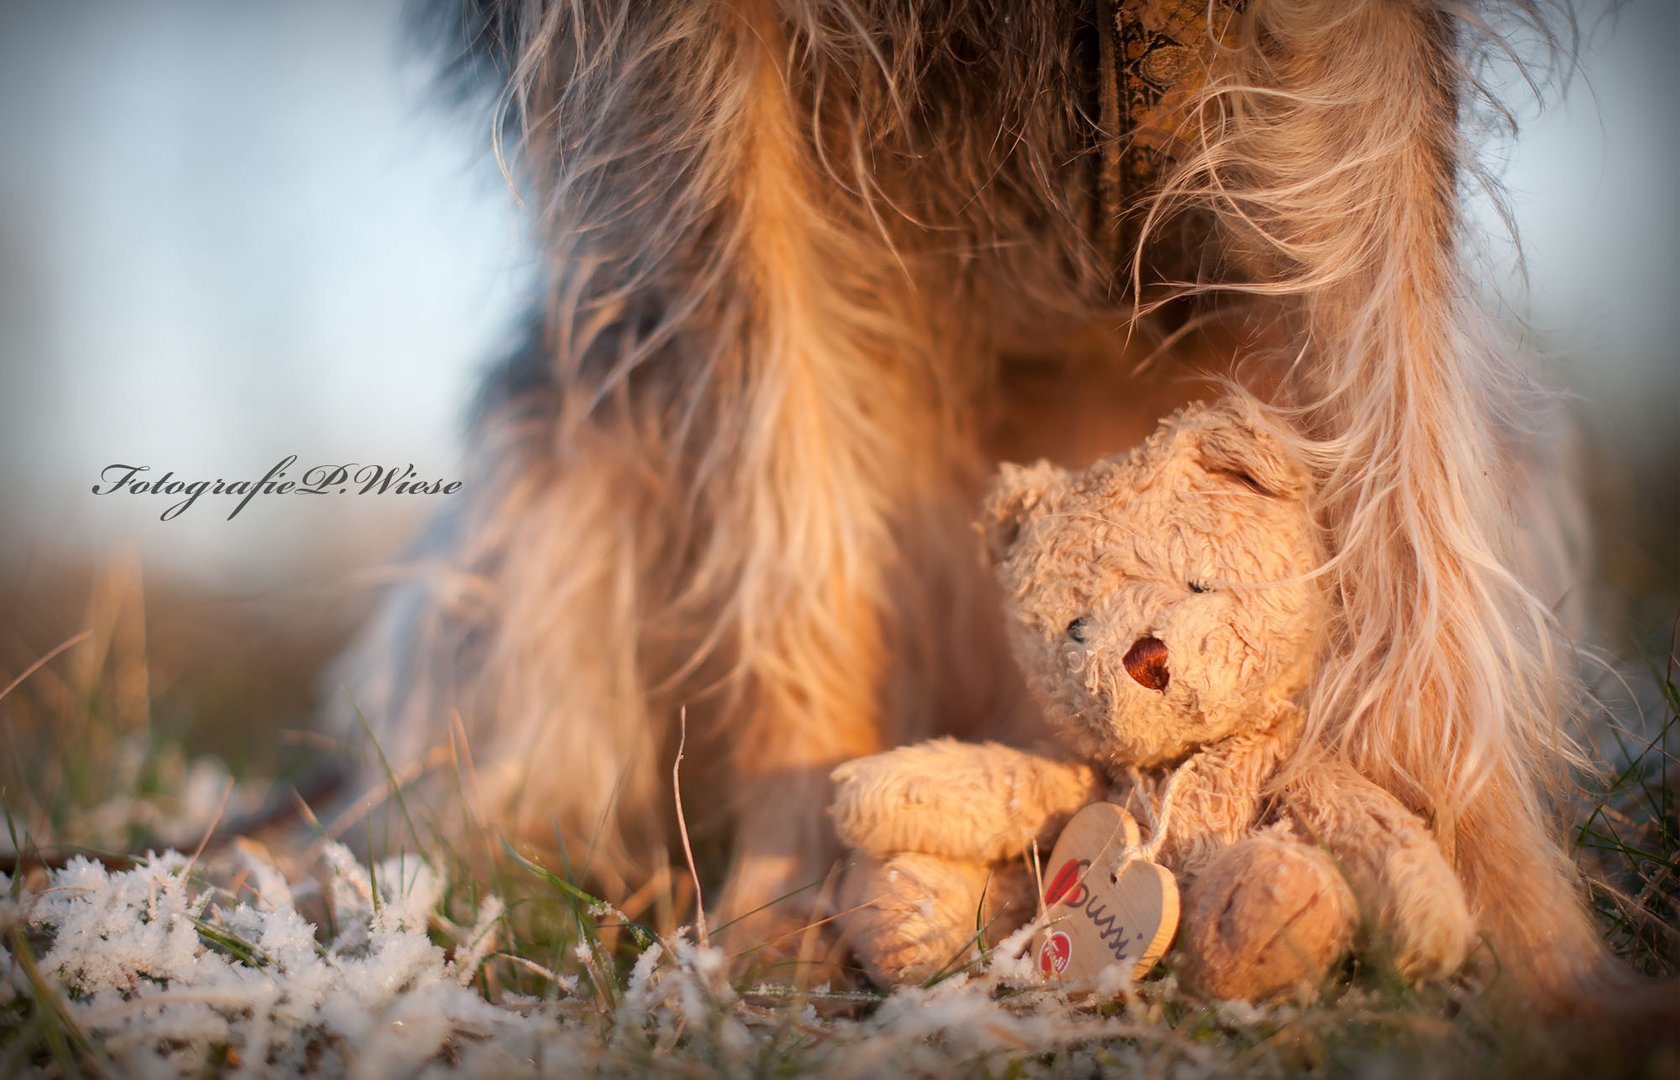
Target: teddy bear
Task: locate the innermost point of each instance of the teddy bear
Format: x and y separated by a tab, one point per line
1165	609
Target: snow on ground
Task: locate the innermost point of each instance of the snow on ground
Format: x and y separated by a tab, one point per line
149	972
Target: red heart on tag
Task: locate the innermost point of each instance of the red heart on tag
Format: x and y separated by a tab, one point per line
1102	913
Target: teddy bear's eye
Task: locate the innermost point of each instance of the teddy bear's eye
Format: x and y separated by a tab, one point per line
1196	586
1076	629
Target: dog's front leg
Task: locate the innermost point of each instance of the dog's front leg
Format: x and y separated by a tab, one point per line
812	704
832	435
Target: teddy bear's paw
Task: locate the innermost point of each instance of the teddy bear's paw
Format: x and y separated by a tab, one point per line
910	917
1267	917
1424	920
868	794
898	800
979	801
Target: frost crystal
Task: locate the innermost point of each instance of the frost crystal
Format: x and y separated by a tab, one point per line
158	973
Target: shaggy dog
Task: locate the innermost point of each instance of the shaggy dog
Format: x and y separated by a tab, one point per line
814	265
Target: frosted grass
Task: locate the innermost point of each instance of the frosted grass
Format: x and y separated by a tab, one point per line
160	975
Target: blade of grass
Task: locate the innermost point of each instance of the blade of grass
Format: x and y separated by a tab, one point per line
682	831
63	1036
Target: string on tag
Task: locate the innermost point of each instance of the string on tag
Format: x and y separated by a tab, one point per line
1157	820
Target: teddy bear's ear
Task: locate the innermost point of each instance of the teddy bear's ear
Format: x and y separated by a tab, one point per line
1235	441
1018	494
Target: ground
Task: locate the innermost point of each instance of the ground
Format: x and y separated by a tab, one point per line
225	955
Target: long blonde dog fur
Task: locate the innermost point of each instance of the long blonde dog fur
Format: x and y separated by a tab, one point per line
796	253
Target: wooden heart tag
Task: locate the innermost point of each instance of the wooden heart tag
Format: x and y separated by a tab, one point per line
1096	918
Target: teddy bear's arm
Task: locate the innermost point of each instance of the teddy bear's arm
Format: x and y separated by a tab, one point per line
959	800
1216	797
1388	855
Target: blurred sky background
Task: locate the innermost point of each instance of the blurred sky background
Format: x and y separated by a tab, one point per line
231	232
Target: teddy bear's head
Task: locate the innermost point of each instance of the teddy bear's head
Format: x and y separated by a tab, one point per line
1163	599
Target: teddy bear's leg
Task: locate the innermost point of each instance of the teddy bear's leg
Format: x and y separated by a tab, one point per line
1267	916
1415	902
909	917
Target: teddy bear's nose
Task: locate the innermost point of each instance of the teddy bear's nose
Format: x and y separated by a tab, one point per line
1146	662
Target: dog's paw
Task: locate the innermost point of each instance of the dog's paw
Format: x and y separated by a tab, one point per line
786	949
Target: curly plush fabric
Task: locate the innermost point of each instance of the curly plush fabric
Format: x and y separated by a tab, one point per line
1167	608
